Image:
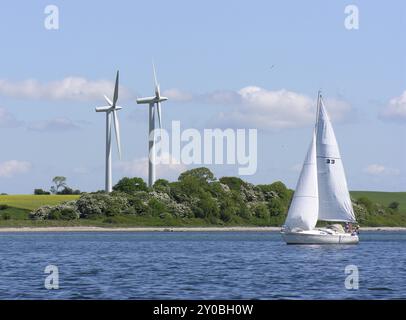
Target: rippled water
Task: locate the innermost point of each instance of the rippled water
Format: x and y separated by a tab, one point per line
198	265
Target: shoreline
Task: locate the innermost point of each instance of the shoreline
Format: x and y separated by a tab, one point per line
168	229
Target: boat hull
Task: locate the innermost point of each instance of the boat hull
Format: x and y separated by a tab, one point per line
318	237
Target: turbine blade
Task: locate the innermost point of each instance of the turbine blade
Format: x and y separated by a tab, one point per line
159	119
103	109
153	69
108	100
159	115
117	131
116	90
157	91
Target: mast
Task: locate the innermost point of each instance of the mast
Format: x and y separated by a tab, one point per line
318	108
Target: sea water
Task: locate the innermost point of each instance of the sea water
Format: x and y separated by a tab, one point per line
199	265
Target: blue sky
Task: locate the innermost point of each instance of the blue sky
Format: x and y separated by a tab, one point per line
205	52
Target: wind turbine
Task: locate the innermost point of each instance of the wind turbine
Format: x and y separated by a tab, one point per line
154	104
111	110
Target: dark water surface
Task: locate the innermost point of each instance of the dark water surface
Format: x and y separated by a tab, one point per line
198	265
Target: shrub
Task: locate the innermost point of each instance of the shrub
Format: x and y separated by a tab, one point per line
367	204
130	185
233	183
91	205
6	216
276	207
64	211
208	206
54	214
228	209
261	211
243	212
115	205
68	190
226	215
41	213
156	207
279	189
202	174
394	205
137	203
162	185
69	213
165	215
41	192
4	206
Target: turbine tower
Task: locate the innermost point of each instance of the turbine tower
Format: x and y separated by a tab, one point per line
111	110
154	105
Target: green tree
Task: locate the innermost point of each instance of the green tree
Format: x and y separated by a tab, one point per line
367	204
68	190
208	206
277	187
261	211
233	183
394	205
276	207
162	185
202	174
228	209
59	182
41	192
156	207
130	185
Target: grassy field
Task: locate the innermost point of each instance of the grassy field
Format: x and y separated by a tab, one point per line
384	198
32	202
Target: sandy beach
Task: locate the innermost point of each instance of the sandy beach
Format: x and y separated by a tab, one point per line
168	229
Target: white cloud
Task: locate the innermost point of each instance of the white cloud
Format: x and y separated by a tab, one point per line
379	170
395	110
178	95
139	167
54	125
13	167
260	108
7	120
70	88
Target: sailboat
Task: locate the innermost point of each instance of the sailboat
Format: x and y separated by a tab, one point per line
321	193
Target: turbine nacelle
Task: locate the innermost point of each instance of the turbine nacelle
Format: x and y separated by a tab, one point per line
108	108
151	100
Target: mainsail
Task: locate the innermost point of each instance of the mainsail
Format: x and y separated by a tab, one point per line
304	207
334	199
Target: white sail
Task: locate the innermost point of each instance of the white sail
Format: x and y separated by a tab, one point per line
334	199
303	210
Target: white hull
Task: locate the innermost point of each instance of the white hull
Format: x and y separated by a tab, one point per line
318	236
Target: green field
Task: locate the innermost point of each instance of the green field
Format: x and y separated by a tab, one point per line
384	198
32	202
